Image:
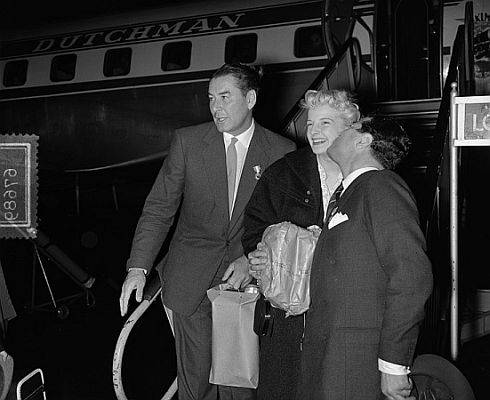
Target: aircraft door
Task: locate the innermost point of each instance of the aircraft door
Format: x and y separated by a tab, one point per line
408	49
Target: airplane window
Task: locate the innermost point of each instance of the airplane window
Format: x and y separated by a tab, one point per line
117	62
15	73
176	56
63	67
308	42
241	48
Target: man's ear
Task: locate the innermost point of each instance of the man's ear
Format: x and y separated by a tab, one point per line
251	98
364	140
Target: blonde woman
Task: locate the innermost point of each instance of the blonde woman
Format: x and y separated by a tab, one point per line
296	188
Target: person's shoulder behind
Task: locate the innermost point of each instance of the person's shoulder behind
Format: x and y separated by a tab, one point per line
278	140
387	184
191	137
284	166
386	177
292	158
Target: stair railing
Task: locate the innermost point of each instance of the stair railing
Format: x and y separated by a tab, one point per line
435	209
345	70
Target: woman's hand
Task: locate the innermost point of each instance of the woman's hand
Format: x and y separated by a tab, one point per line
258	261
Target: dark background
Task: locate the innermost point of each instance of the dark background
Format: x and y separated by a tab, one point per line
75	351
16	14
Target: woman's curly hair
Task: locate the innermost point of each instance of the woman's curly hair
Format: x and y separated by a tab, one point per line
340	100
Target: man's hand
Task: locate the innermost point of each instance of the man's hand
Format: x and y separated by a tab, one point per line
258	260
4	355
396	387
135	280
236	274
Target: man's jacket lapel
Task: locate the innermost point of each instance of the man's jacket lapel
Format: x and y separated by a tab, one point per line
352	189
215	168
257	155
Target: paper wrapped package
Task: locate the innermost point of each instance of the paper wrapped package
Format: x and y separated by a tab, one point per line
235	346
286	280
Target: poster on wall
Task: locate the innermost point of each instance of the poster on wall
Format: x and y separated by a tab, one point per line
481	46
472	121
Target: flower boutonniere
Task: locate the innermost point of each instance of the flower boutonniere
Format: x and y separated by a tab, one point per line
258	172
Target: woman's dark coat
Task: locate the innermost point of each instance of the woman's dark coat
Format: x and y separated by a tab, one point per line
289	190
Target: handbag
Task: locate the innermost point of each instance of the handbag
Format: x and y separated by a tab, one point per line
235	346
263	318
285	282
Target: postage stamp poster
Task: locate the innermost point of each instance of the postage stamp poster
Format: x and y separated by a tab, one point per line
18	186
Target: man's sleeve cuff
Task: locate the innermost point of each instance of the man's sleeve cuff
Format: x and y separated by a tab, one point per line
392	369
138	269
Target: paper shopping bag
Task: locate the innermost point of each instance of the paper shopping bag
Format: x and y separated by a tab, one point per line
285	282
235	346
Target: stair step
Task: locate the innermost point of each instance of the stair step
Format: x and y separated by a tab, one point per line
419	108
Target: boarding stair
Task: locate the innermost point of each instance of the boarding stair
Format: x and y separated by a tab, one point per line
426	168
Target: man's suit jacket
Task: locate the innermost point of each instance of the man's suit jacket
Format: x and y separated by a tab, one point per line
7	311
194	178
370	280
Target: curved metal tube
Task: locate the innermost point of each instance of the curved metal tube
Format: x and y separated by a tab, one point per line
327	30
454	227
137	161
357	55
148	299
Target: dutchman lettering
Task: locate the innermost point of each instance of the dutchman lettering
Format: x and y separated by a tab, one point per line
138	33
44	45
157	30
169	30
69	41
227	20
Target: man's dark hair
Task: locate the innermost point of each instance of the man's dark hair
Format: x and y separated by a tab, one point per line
247	76
390	141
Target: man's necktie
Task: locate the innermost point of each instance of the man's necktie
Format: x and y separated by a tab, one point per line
332	204
231	165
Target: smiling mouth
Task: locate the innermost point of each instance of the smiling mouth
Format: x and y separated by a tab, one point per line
219	119
318	141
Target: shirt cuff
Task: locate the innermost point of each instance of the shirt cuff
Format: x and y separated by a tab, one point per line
138	269
392	369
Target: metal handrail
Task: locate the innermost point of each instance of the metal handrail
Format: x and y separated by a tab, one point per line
152	292
459	71
441	131
349	48
130	163
328	21
437	225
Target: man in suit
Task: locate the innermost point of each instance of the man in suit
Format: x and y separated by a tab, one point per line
370	275
210	173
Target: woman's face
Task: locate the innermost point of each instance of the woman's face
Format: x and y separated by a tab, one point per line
323	126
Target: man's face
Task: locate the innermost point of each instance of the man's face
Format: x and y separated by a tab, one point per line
322	127
343	148
231	110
